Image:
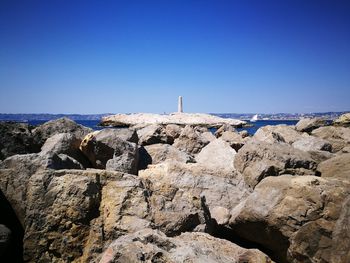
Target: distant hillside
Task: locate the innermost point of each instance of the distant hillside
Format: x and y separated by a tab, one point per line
47	117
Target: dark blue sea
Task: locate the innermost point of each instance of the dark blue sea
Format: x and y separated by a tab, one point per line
251	130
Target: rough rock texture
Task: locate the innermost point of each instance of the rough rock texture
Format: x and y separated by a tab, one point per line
257	160
16	138
339	137
70	215
234	139
343	120
153	134
153	246
278	133
62	125
338	167
222	129
299	218
176	193
310	124
125	134
65	143
173	131
311	143
218	154
101	146
196	119
190	141
158	153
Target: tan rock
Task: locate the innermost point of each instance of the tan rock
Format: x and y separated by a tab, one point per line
278	133
336	167
153	246
339	137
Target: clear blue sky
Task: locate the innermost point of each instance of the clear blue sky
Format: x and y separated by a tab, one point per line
139	56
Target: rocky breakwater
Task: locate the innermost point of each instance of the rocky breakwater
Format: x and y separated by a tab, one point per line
196	119
168	193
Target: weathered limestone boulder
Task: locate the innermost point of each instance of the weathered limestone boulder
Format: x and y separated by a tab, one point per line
278	133
310	124
218	154
173	131
181	195
222	129
101	146
62	125
336	167
16	138
159	153
190	141
343	120
71	215
153	246
297	218
257	160
125	134
67	144
311	143
153	134
234	139
339	137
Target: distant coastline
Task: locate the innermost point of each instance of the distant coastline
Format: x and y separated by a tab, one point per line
242	116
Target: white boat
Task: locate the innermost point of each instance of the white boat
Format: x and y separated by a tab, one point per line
255	118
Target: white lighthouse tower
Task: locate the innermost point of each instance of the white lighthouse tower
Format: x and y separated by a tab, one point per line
179	105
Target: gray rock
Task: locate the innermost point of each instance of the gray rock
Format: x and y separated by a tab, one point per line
153	246
339	137
101	146
278	133
62	125
67	144
295	218
125	158
257	160
222	129
158	153
336	167
218	154
124	134
234	139
182	196
310	124
16	138
311	143
153	134
190	141
173	131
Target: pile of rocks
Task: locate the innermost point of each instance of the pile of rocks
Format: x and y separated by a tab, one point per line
172	193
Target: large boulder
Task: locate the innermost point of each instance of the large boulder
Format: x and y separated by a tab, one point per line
190	141
339	137
65	143
297	218
71	215
180	195
218	154
160	152
257	160
101	146
62	125
310	124
16	138
311	143
153	246
224	128
173	131
278	133
338	166
153	134
236	140
343	120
